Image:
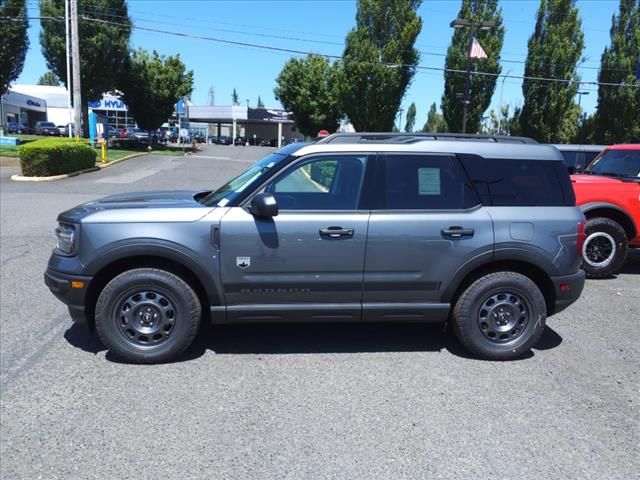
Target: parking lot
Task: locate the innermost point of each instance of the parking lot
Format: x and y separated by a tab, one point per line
300	401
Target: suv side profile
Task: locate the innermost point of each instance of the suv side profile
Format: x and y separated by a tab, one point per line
608	192
352	228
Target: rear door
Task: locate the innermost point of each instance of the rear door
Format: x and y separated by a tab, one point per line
307	262
428	224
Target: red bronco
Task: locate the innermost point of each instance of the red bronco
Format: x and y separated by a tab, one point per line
608	192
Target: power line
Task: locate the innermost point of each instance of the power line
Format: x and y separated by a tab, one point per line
330	56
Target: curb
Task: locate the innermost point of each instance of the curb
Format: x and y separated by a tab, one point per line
20	178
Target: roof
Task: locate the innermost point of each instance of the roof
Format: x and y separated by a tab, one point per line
56	96
579	147
484	149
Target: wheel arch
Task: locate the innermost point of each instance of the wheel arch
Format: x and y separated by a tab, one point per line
533	272
141	256
614	212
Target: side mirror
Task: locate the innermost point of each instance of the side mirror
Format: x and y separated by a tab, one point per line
264	205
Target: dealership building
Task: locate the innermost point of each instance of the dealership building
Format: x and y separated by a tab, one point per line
28	104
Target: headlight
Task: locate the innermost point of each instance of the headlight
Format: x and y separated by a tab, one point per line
66	238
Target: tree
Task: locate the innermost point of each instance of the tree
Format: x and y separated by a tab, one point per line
260	104
49	78
14	44
482	86
152	84
234	97
378	62
549	113
308	87
618	112
104	44
496	123
435	121
411	118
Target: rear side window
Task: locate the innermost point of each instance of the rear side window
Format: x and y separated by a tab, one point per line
425	182
513	182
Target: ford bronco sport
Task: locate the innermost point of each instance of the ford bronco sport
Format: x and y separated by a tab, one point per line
609	195
363	227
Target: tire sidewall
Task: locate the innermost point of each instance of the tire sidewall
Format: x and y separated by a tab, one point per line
127	284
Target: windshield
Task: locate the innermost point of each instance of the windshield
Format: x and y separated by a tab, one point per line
234	188
47	124
616	163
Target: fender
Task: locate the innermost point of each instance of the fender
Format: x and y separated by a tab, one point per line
590	206
136	247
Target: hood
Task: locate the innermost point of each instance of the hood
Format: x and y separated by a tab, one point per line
142	202
589	179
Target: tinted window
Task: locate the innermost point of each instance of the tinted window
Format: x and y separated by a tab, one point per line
426	182
326	183
571	157
507	182
624	163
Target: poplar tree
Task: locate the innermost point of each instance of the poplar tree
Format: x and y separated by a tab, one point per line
617	118
14	44
378	62
482	86
549	113
411	118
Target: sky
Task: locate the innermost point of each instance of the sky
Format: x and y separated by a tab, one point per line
321	27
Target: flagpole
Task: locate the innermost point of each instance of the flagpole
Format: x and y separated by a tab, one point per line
467	83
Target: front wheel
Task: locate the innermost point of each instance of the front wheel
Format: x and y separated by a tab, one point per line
500	316
147	315
605	247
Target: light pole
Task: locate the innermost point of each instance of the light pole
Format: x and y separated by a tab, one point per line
579	93
400	110
464	23
500	107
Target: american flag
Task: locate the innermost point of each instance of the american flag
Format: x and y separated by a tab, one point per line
476	50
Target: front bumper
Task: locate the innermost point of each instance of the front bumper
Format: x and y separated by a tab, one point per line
72	295
568	289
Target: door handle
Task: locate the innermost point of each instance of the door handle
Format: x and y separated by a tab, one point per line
457	232
336	232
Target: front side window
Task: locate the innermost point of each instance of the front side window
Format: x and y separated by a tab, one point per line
325	183
617	163
425	182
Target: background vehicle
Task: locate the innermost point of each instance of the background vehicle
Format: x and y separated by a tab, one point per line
46	128
577	157
240	141
609	195
403	229
16	127
141	136
272	142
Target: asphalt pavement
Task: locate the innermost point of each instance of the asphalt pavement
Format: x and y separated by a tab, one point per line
299	401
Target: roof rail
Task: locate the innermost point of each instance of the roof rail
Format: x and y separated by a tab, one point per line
401	137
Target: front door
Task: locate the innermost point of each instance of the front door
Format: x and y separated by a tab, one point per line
307	262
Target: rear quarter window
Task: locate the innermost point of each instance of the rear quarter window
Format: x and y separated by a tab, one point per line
519	182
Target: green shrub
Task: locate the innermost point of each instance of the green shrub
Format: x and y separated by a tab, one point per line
55	156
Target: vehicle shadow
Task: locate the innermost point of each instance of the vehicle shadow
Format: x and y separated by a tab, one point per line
337	338
632	264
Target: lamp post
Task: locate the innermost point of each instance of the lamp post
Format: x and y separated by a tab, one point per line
466	23
580	93
500	107
400	110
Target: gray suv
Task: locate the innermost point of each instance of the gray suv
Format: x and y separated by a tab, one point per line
368	227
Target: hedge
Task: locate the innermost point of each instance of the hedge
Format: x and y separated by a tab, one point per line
55	156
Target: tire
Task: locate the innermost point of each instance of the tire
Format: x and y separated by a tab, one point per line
500	316
147	315
605	247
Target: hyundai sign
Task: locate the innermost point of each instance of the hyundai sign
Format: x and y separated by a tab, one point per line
108	103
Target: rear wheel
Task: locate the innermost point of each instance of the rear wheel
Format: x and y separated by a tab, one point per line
605	247
147	316
500	316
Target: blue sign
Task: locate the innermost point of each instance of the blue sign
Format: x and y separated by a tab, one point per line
33	103
180	106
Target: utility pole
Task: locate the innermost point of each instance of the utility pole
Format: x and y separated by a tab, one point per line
68	55
483	25
75	60
500	105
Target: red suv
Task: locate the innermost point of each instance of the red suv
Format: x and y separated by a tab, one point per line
608	192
